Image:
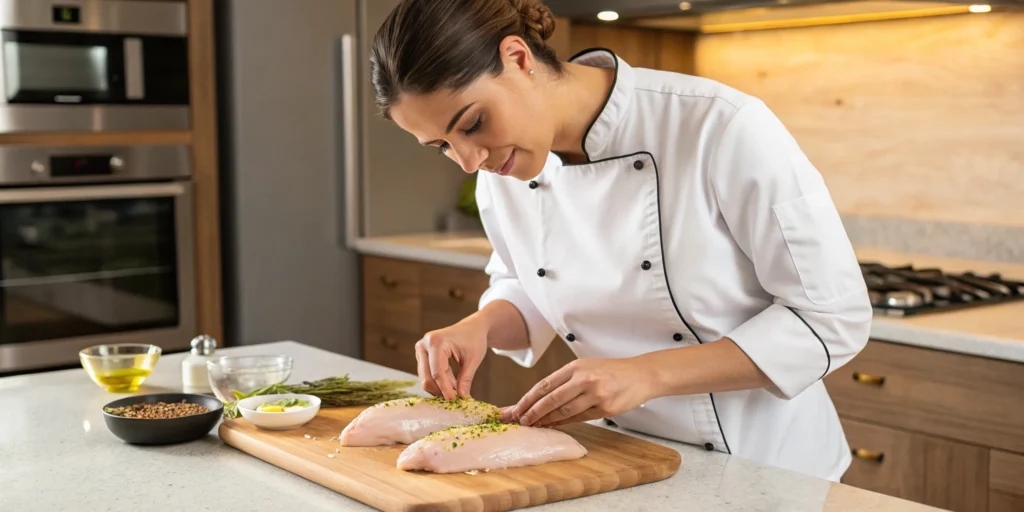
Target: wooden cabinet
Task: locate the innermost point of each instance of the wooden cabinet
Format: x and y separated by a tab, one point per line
391	291
395	347
1006	482
971	399
403	300
1000	502
885	460
449	294
934	427
917	467
956	474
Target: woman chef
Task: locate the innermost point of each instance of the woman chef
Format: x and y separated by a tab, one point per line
667	227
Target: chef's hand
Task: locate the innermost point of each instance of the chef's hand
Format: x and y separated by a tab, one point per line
466	343
583	390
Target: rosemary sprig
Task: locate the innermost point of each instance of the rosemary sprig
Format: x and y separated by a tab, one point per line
333	392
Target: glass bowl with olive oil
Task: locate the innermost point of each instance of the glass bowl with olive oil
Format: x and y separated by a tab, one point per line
120	368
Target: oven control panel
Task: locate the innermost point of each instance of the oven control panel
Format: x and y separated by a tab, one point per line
84	165
33	165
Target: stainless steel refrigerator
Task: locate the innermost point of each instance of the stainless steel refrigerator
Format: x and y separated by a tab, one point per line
308	167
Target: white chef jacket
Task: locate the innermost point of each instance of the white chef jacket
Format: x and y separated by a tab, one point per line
696	217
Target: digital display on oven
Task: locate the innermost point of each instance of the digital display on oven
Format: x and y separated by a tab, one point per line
66	14
82	165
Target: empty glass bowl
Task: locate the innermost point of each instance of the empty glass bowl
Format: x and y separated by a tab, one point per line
119	368
246	374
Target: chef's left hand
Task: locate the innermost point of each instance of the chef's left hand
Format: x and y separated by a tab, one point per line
583	390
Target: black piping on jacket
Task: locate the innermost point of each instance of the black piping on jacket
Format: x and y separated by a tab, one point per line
828	356
615	81
657	181
664	264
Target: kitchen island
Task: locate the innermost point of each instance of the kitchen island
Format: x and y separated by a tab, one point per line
57	454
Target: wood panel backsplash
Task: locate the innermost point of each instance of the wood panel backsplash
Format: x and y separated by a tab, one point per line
920	118
641	47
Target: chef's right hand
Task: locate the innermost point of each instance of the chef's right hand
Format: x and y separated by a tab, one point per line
466	343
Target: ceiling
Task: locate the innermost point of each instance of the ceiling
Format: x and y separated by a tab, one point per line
588	9
711	16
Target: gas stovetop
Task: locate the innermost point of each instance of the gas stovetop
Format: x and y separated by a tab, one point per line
904	291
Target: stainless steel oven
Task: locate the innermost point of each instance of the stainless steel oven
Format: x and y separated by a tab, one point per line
93	65
96	246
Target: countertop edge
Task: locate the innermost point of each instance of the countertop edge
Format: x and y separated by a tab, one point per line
388	249
882	329
947	341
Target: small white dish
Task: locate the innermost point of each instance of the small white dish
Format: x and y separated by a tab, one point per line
278	420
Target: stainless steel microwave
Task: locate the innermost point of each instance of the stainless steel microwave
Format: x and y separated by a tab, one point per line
93	65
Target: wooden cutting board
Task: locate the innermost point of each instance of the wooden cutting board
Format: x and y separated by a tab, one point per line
614	461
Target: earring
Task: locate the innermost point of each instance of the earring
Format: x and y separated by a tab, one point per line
531	72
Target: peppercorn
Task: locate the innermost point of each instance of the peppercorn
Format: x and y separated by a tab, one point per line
157	411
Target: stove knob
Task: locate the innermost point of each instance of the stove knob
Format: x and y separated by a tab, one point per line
37	167
116	162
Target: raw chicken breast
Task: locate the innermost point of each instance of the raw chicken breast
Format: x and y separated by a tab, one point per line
408	419
489	446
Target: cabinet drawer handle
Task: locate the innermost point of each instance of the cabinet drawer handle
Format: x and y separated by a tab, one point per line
388	282
456	294
388	342
868	455
864	378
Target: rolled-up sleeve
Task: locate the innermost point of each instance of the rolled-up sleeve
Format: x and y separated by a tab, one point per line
505	285
781	215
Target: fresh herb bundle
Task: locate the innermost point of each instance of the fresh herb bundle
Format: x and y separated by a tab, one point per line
332	392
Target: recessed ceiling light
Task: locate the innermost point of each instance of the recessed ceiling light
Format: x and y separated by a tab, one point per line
980	8
685	6
607	15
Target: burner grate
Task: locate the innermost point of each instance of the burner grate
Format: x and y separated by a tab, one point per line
906	291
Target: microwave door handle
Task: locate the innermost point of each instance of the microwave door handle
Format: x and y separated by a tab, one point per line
134	77
87	193
345	122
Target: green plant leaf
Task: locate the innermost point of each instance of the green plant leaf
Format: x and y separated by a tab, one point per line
467	197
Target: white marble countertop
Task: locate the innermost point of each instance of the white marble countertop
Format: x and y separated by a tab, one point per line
57	454
995	331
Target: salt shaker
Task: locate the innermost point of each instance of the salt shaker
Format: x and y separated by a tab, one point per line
194	375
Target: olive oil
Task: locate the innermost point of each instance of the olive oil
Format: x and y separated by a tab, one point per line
120	368
122	380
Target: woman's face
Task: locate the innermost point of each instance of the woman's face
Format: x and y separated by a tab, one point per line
497	124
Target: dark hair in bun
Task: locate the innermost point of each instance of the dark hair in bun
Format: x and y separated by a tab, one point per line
428	45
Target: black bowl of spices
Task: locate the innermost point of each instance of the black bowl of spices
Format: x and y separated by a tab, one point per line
162	418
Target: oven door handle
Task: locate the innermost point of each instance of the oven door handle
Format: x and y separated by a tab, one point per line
86	193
